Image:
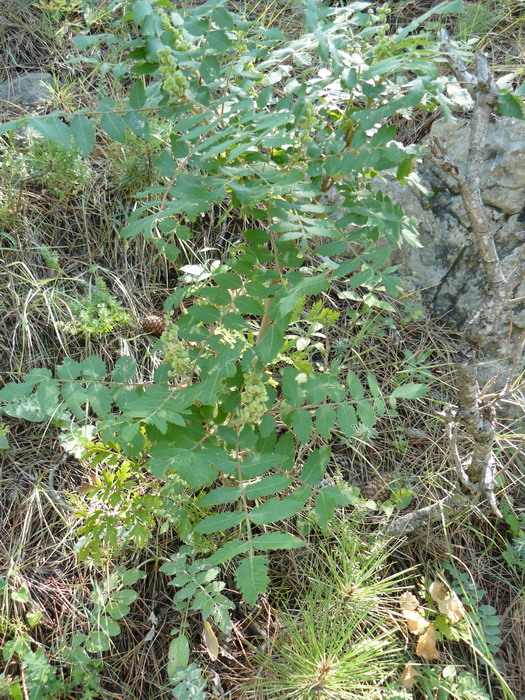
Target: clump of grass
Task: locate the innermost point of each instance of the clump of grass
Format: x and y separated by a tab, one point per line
13	171
340	642
63	172
131	165
327	652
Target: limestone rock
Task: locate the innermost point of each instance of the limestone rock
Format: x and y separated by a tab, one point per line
446	271
29	89
503	172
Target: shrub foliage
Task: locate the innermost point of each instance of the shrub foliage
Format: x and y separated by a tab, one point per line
286	137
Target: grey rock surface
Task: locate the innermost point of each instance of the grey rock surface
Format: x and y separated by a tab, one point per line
29	89
446	272
503	172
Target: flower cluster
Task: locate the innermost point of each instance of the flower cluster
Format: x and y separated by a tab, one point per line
175	352
180	43
384	45
309	117
253	399
165	19
173	80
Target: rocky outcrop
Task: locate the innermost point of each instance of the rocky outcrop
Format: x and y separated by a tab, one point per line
446	271
28	90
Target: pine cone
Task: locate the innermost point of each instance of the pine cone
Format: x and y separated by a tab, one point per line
378	488
153	324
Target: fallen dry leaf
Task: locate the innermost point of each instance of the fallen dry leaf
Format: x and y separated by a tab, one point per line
448	602
210	641
438	591
453	608
408	677
426	645
411	611
408	601
416	623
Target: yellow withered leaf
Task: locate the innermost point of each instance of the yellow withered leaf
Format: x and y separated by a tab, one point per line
210	641
408	677
448	602
411	611
416	623
438	591
453	608
408	601
426	645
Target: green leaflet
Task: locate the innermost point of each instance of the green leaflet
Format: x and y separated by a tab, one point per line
287	300
156	402
441	9
114	126
75	397
260	464
325	419
315	466
53	129
275	509
178	654
354	385
84	134
193	467
324	509
511	105
368	117
69	369
221	495
124	370
28	410
252	577
93	368
411	390
366	413
13	125
272	342
100	398
320	386
267	486
228	551
301	422
219	523
276	540
14	392
293	385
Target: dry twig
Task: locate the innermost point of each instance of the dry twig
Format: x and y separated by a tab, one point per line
474	414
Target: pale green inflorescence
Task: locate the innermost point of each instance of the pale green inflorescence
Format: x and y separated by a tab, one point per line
253	399
384	43
175	352
173	80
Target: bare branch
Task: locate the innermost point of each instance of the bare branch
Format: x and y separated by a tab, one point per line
442	511
485	93
465	78
452	434
475	415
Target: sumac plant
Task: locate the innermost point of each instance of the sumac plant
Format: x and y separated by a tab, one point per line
288	136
